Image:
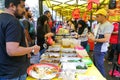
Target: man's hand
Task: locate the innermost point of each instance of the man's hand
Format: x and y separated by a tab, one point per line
35	49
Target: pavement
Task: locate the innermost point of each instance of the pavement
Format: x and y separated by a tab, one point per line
108	67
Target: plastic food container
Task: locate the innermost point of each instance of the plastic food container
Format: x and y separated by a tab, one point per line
78	67
69	55
68	50
55	61
70	59
51	55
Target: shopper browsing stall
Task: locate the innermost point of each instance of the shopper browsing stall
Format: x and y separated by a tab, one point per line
43	32
71	26
13	50
113	43
82	31
28	25
50	19
101	39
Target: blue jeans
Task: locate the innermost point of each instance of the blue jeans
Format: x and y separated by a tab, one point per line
98	58
22	77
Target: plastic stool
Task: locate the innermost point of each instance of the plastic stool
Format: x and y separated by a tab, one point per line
116	66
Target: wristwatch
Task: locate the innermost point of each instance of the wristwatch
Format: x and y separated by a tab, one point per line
33	50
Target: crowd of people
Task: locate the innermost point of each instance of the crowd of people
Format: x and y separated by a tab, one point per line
18	49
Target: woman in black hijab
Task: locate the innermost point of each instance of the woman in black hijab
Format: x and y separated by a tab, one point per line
82	31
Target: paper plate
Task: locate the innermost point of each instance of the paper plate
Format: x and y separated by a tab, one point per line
43	71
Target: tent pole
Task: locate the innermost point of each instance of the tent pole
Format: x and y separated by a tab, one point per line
52	12
41	7
90	19
56	15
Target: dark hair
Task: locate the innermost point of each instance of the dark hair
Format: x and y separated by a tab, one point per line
15	2
46	12
84	25
41	20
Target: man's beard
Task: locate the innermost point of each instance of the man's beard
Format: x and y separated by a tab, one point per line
29	16
17	15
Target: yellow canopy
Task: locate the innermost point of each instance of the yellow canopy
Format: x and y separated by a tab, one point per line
65	7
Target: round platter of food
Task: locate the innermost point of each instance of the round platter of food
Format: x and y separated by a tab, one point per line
43	71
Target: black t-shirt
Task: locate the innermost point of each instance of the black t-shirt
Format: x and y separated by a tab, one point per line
11	31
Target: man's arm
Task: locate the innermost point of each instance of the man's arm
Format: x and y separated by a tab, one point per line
107	33
13	49
105	39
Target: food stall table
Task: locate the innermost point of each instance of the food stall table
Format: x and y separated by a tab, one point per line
91	72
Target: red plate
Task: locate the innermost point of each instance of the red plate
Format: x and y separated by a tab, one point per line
42	74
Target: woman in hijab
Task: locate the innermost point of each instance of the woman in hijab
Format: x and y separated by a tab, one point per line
82	31
43	31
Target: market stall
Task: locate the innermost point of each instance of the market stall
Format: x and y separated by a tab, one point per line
65	61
